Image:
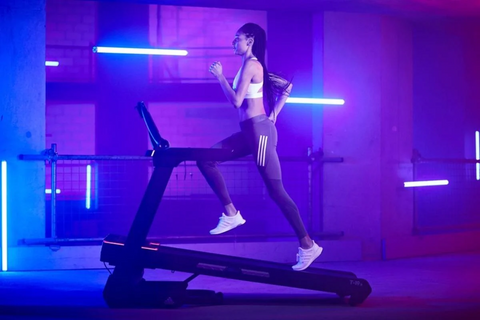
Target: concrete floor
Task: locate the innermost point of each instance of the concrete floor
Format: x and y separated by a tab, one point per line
439	287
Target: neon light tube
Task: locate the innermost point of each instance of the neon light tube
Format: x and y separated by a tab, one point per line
477	153
339	102
51	63
89	187
4	216
163	52
425	183
49	191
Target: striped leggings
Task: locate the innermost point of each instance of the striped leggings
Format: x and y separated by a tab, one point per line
258	137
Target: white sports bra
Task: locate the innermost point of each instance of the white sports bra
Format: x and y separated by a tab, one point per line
253	88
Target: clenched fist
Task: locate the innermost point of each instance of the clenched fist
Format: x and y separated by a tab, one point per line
216	69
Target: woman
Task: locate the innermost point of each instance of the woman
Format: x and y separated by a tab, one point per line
258	136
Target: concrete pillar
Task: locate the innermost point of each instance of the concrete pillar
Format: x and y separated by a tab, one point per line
368	62
122	81
289	52
22	117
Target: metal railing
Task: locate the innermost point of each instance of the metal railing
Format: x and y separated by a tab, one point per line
117	184
449	208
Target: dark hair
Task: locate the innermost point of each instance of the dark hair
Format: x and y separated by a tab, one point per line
273	85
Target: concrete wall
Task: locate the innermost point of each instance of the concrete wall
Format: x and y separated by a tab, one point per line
406	85
403	83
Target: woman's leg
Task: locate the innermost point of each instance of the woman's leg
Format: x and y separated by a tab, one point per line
231	218
263	140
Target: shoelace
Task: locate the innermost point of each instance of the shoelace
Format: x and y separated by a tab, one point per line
305	255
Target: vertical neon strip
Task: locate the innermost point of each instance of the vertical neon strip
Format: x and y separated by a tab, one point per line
477	154
4	215
89	187
95	187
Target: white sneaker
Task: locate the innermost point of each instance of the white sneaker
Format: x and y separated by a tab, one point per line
227	223
305	257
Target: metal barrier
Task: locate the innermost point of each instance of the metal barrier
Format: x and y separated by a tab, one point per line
91	196
449	208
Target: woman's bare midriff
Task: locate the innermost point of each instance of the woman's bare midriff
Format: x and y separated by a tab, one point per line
251	108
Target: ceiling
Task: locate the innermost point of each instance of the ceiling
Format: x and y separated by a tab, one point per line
406	8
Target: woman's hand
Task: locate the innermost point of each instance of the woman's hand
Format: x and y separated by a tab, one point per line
216	69
272	117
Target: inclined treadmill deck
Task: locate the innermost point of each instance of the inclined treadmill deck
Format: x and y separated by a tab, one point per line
155	256
132	254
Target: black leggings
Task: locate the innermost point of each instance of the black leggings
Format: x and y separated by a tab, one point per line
258	137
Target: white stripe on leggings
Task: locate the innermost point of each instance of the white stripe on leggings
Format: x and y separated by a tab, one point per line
262	150
260	139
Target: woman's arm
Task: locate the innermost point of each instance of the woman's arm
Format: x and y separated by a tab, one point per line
280	102
237	96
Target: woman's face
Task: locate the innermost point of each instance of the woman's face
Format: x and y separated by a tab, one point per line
240	43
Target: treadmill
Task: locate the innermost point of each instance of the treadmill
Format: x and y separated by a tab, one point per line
126	287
